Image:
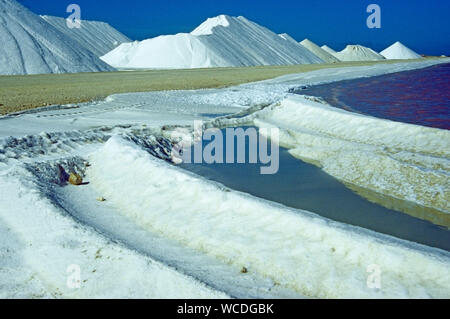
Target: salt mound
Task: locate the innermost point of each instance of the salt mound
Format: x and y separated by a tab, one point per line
358	53
30	45
315	49
400	52
97	37
222	41
328	49
245	43
181	51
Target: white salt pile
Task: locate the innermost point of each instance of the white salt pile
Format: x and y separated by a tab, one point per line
98	37
321	53
222	41
399	51
358	53
30	45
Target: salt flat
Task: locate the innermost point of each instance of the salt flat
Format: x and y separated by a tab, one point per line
18	93
115	137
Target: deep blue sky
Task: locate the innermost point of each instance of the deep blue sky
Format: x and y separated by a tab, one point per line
422	25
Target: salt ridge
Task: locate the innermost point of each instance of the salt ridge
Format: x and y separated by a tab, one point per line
416	171
298	250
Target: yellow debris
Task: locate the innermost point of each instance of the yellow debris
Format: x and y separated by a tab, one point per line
75	179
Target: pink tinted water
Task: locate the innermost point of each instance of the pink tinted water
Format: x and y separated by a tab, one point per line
418	97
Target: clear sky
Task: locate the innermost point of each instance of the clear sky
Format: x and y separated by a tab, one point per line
422	25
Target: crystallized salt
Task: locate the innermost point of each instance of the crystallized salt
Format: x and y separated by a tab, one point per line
222	41
358	53
399	51
30	45
321	53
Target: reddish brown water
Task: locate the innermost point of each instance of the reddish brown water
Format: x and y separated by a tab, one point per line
418	97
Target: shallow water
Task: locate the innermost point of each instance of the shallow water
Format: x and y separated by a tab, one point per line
418	97
304	186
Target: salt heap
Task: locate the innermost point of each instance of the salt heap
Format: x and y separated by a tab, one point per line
358	53
222	41
182	51
30	45
97	37
400	52
321	53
